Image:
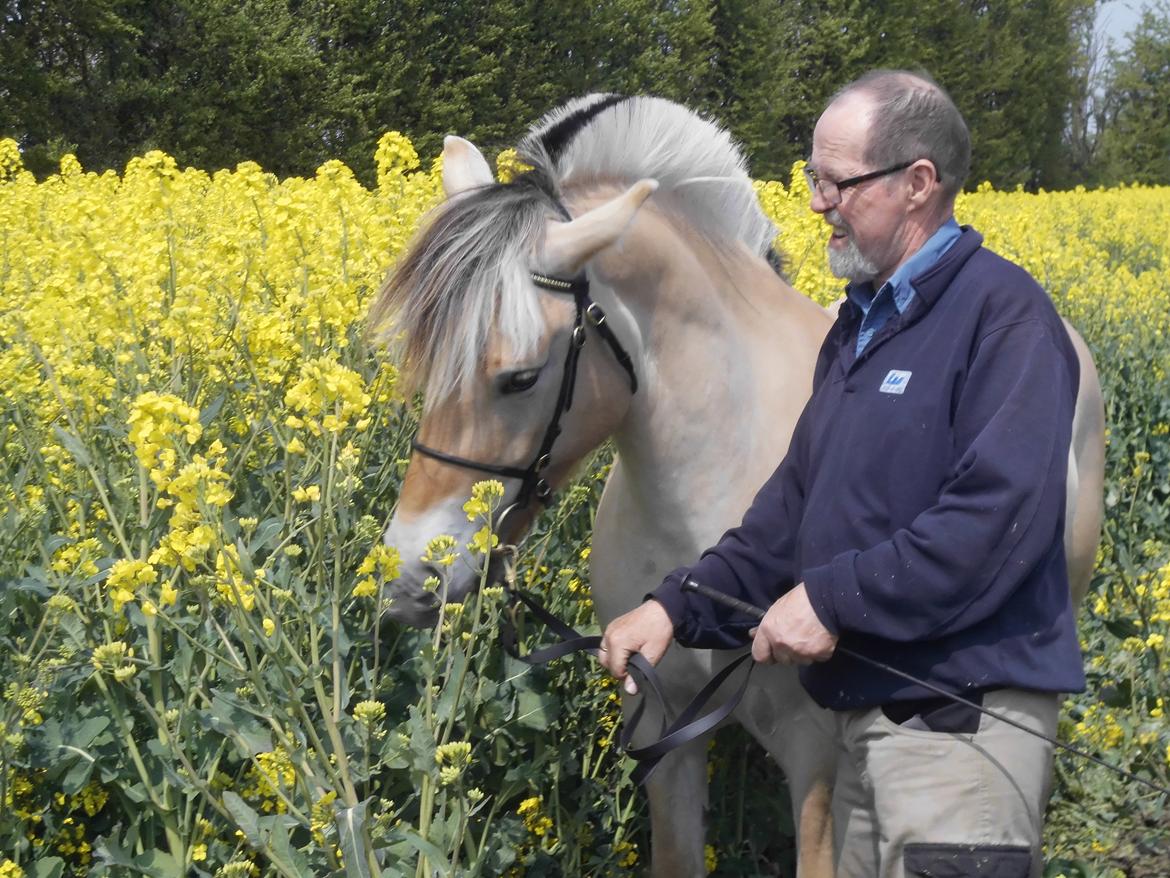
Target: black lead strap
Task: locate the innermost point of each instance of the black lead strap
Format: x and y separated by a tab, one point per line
757	613
689	725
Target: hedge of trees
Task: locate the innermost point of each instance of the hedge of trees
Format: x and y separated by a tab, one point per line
290	83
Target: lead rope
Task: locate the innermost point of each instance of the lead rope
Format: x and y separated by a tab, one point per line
689	726
673	733
757	613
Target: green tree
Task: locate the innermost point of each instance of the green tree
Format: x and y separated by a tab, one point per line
1135	143
1007	65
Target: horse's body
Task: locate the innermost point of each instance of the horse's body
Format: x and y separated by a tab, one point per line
723	349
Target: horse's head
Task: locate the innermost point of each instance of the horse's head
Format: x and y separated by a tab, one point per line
501	333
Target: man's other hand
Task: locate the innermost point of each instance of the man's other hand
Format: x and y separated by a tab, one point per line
646	629
791	633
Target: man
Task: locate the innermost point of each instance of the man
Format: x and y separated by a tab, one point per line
918	515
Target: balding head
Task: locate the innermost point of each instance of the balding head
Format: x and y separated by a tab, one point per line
910	117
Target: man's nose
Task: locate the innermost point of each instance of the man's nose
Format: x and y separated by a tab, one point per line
817	202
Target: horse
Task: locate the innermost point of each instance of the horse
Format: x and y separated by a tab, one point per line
636	225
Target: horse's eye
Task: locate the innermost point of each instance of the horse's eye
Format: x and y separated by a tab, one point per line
517	382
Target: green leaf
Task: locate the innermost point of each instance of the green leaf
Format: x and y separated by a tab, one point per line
437	860
157	864
228	716
110	852
211	411
245	561
246	819
78	775
74	446
447	697
267	534
352	839
50	867
533	710
280	849
269	835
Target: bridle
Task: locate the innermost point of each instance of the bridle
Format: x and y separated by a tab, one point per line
532	483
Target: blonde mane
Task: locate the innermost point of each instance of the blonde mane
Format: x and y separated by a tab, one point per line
466	274
702	175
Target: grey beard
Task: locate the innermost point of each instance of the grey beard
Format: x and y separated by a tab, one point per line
849	264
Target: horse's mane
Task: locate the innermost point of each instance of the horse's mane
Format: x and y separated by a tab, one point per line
466	273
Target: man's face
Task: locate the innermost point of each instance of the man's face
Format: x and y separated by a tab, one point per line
868	219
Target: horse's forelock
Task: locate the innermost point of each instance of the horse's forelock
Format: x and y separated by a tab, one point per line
464	275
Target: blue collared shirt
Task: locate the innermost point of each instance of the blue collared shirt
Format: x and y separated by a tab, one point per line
897	293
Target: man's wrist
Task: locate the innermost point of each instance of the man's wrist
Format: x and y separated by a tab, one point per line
671	598
818	587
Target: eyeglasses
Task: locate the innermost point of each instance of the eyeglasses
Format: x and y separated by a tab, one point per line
831	189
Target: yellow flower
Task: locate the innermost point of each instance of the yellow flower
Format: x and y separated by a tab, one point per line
440	551
484	541
485	497
369	712
157	421
269	627
509	166
535	821
309	494
395	155
453	753
126	577
328	396
365	588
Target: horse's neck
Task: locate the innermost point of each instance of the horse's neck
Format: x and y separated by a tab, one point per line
728	354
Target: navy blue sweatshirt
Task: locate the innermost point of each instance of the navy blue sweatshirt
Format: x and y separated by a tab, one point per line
922	498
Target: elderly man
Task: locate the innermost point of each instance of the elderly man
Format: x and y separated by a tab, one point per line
917	517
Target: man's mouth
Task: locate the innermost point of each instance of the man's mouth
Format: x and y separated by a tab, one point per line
839	230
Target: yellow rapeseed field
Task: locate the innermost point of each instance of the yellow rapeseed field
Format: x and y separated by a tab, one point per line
201	450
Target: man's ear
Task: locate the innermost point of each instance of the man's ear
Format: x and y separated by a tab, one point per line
924	182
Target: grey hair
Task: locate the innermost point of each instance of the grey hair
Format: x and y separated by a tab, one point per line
465	276
912	118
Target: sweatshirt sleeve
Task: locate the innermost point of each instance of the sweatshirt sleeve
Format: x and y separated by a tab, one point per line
753	562
997	514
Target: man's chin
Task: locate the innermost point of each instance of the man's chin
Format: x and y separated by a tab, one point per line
848	264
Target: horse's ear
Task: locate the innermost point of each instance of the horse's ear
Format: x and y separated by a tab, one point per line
568	246
464	166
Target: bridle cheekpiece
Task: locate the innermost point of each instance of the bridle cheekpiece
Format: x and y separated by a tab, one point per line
532	482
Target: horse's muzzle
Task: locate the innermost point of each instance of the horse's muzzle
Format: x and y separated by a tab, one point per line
412	605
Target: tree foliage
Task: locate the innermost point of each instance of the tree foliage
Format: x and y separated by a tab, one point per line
1135	143
291	83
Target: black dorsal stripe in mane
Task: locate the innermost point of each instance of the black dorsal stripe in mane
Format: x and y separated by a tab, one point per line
556	138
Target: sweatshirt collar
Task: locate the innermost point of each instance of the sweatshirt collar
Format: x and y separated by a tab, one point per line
901	284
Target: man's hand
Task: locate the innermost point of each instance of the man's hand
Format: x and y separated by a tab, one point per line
646	629
791	633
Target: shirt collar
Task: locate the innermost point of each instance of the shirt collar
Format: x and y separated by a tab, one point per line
862	294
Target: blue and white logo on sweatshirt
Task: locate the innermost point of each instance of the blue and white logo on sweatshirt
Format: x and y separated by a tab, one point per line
896	381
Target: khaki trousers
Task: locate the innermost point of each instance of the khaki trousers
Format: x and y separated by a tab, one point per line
914	802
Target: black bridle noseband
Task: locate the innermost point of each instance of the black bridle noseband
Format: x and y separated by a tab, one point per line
532	483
